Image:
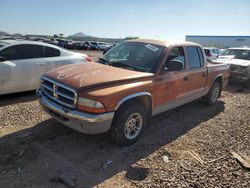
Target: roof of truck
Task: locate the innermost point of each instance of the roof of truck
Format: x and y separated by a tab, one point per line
165	43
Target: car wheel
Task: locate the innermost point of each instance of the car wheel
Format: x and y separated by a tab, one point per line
128	124
213	94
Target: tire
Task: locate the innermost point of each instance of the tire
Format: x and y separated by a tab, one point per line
213	95
247	84
128	124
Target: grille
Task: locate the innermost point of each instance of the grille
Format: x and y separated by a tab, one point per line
58	92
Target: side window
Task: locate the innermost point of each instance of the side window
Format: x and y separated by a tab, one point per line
11	53
32	51
201	56
194	58
22	52
51	52
176	53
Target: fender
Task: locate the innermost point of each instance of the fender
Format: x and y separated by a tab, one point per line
219	75
131	97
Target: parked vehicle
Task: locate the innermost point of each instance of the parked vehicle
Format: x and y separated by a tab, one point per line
133	81
106	50
81	46
212	53
239	61
23	62
102	46
93	45
221	51
64	43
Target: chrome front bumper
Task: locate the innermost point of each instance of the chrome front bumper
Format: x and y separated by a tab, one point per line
239	77
77	120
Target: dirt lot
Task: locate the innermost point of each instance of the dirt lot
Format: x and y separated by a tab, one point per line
36	151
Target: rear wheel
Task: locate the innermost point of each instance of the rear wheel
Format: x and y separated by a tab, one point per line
128	124
213	94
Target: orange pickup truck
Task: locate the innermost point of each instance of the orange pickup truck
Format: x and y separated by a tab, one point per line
133	81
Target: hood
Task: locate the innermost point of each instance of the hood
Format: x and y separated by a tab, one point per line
88	75
231	61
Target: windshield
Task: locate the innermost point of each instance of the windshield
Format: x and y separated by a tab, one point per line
138	56
2	44
238	53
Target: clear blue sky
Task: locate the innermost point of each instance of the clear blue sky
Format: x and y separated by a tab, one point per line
168	19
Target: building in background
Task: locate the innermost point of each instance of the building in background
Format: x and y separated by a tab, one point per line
220	41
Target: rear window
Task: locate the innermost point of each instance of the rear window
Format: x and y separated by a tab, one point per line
194	58
51	52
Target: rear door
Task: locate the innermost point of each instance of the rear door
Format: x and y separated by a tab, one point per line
197	71
23	67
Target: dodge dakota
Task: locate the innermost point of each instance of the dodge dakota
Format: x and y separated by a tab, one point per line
133	81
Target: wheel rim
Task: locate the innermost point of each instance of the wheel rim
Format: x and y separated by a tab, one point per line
215	94
133	126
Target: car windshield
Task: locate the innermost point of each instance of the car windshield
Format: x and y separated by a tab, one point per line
2	44
215	51
134	55
238	53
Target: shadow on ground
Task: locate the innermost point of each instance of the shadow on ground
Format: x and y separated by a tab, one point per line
14	98
50	149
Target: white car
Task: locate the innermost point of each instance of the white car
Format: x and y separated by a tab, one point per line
103	45
239	60
211	53
22	63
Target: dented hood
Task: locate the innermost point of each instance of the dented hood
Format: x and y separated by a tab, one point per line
88	75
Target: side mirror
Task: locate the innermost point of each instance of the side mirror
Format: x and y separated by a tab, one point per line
174	65
2	58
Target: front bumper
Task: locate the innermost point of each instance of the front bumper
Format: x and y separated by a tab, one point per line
239	77
77	120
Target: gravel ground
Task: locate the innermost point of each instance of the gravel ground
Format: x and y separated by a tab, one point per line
35	150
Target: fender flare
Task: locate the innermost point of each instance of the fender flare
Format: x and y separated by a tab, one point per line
219	75
134	95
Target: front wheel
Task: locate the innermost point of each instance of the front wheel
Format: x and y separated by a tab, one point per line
128	124
247	84
213	94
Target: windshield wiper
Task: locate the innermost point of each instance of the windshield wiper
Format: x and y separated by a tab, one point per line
119	63
104	60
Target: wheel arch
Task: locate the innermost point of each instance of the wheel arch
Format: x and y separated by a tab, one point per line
219	79
143	98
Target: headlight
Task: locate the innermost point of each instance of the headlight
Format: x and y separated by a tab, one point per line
90	105
243	69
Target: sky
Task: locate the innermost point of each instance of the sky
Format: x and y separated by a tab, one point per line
163	19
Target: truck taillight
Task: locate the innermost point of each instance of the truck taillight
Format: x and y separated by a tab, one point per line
89	59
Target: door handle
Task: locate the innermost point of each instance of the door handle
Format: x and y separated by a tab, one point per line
41	64
185	78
